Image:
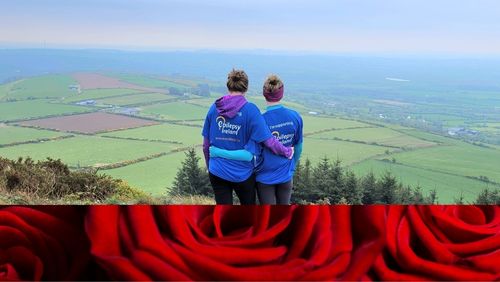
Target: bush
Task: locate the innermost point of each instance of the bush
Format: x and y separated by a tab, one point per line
25	181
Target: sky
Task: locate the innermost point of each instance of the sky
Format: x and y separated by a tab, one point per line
324	26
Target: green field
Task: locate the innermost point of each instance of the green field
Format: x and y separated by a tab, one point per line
87	150
34	109
491	127
347	152
166	132
314	123
48	86
4	90
449	187
174	111
15	134
93	94
135	99
196	123
465	159
149	81
431	137
203	102
383	136
152	176
262	104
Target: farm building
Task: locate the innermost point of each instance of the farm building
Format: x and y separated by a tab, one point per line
86	103
129	111
461	131
75	87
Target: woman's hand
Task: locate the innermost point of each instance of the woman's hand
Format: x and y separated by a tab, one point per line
293	152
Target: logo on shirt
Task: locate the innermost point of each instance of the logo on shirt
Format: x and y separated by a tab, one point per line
285	138
227	127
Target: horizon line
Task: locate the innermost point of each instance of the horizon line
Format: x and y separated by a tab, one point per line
254	51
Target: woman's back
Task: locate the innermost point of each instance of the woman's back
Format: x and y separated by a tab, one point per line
231	123
286	125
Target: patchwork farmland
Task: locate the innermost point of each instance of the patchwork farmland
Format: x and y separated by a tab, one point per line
88	123
132	127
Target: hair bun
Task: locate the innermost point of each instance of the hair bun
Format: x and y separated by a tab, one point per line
237	80
273	80
238	75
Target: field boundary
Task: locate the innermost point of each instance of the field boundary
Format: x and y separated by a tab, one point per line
141	139
492	183
141	159
48	116
36	141
333	129
359	142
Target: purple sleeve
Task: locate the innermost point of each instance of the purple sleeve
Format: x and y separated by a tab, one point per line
277	148
206	150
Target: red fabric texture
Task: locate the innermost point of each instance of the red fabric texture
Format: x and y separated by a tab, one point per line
264	243
42	243
441	243
236	242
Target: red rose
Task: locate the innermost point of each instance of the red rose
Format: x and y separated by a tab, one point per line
235	242
441	243
46	243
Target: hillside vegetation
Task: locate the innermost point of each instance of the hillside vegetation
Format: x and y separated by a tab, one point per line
25	181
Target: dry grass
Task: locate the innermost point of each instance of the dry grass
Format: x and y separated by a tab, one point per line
190	200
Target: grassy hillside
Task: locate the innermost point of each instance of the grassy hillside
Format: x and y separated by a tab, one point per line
47	86
10	111
11	134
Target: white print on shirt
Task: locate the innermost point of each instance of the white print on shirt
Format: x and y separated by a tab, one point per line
227	127
285	139
290	123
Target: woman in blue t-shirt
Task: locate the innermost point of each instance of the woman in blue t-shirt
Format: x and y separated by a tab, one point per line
231	124
274	174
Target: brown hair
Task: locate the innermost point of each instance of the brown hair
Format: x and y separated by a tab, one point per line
237	81
272	83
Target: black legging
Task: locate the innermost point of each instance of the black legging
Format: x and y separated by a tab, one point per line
275	194
223	190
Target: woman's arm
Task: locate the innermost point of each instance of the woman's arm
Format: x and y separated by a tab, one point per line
238	155
279	149
206	153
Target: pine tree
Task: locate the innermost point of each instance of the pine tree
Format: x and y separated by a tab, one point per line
298	185
487	197
353	193
323	184
418	197
403	195
432	198
369	188
302	187
191	179
307	180
387	187
460	200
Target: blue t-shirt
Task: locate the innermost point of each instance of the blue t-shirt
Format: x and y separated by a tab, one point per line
233	134
286	125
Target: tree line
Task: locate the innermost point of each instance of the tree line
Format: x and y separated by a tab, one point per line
326	182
